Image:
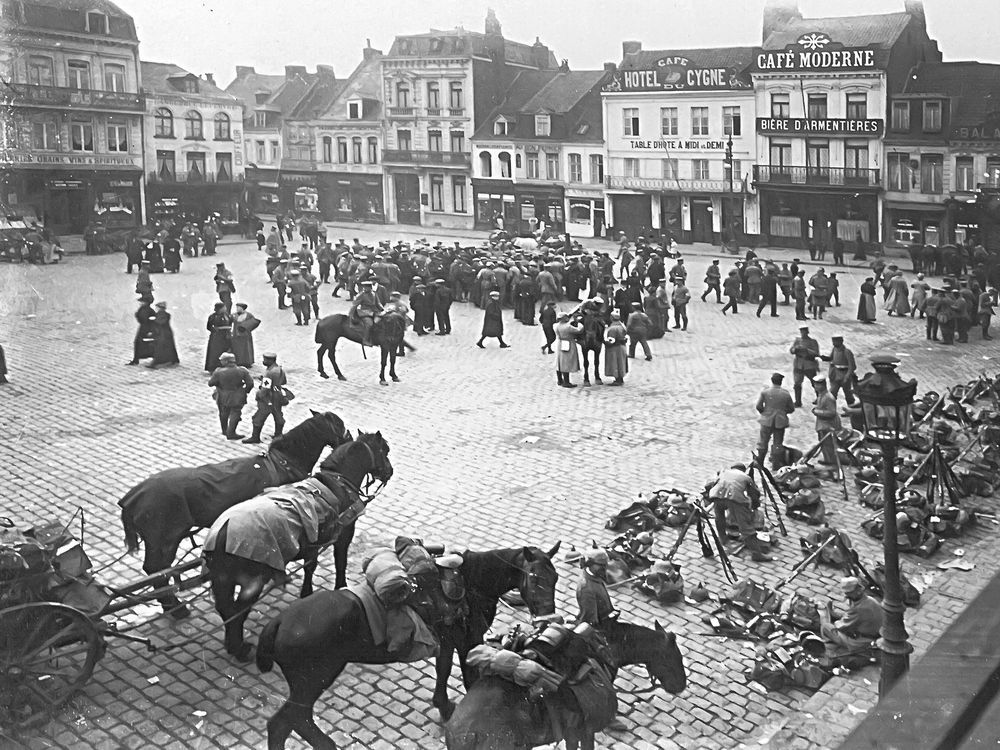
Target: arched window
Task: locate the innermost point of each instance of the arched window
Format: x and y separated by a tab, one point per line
504	159
327	149
164	120
193	125
485	164
222	124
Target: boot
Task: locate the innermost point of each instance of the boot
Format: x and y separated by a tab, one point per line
798	397
223	424
255	437
480	344
559	377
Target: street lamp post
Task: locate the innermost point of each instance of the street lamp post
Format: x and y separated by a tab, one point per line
886	403
729	165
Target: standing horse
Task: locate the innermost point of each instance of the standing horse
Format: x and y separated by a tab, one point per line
251	542
168	506
495	715
313	639
591	340
387	333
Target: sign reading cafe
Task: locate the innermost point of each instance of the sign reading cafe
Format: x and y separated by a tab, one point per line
677	73
815	51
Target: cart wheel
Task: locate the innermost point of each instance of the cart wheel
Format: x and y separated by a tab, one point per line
47	653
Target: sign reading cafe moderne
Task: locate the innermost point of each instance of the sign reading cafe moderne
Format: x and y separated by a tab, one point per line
815	51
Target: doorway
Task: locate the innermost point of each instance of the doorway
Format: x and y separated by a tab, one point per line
407	191
68	211
701	220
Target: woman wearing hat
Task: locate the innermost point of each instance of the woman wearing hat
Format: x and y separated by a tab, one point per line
568	354
615	361
866	303
220	327
164	348
244	324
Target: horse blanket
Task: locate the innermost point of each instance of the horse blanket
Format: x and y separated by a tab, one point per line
400	629
272	527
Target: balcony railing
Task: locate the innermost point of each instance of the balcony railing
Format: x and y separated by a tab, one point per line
660	184
401	111
456	111
433	111
189	178
450	158
835	176
59	96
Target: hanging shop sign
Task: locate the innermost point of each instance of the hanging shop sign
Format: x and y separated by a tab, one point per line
812	126
678	74
815	51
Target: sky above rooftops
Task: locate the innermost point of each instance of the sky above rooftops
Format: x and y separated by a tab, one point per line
216	35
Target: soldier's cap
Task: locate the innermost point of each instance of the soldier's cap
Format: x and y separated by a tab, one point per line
835	339
220	265
161	305
550	303
850	584
420	286
596	556
416	278
494	294
715	262
804	328
242	304
396	294
268	355
366	283
295	272
227	357
438	281
303	265
819	380
636	304
796	260
615	315
739	467
144	262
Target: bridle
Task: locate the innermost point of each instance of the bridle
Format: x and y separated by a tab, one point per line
367	495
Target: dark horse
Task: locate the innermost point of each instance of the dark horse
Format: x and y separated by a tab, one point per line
387	333
249	541
591	340
168	506
495	713
315	638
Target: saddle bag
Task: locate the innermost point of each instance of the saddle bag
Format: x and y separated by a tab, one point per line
755	597
911	597
803	613
769	672
387	577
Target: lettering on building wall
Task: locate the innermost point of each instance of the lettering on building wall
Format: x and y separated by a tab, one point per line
678	74
978	133
678	145
810	53
809	126
103	160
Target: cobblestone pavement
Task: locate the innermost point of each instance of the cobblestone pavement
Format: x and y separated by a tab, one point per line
488	452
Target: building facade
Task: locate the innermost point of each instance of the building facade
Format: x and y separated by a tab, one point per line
678	127
71	143
822	86
539	155
194	146
436	90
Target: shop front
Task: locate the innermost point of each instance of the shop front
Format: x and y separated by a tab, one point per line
351	197
67	201
196	202
907	224
585	214
537	203
632	214
495	201
796	218
262	191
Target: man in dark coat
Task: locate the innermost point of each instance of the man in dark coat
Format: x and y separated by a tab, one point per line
592	595
133	253
298	290
774	405
232	383
442	307
547	318
224	285
493	321
423	313
220	329
713	282
143	284
270	397
325	258
142	346
768	294
164	349
525	295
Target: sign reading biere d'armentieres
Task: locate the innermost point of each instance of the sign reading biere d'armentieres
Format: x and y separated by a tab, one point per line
676	73
818	126
816	52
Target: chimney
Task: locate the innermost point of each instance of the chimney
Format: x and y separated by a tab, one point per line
291	71
610	67
916	10
540	55
564	66
210	78
631	48
325	71
777	15
244	70
369	52
492	24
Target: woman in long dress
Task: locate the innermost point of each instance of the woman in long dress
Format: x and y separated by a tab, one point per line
219	325
898	300
164	348
615	361
866	304
244	324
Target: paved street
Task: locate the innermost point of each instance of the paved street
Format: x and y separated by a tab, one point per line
488	452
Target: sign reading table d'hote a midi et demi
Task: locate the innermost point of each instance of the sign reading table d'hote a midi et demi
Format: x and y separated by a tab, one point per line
814	51
814	126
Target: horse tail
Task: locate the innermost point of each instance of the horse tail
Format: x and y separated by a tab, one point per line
265	645
128	524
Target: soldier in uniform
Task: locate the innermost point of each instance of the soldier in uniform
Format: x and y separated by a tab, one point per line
858	627
827	420
735	493
232	383
279	280
806	350
224	285
325	258
298	290
842	369
442	307
713	281
592	591
270	398
774	405
308	277
364	310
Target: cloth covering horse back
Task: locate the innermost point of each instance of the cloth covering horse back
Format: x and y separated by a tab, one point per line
387	333
314	639
168	506
250	543
497	714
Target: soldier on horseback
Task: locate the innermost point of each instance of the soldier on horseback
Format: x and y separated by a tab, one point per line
365	310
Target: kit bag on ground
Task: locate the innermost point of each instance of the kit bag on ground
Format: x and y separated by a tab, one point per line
755	597
832	554
911	597
803	613
806	505
664	581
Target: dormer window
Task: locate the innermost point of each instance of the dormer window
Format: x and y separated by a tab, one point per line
260	119
261	97
543	126
500	127
354	110
932	116
97	22
189	85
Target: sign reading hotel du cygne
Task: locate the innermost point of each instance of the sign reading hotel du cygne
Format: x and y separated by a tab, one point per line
815	51
676	73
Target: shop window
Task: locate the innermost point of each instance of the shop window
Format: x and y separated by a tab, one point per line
433	96
631	167
731	121
630	121
543	126
901	116
485	164
40	71
457	141
223	127
857	106
437	192
932	117
992	172
780	106
434	140
579	213
965	177
900	176
43	135
458	190
356	150
354	110
97	22
166	168
670	169
699	120
82	135
699	169
402	94
342	151
223	167
500	127
931	173
668	120
404	141
196	167
373	150
597	169
531	166
78	75
552	166
816	107
575	168
456	96
117	137
114	77
504	160
193	126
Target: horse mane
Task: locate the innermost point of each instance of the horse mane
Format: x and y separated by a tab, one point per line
304	438
477	568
